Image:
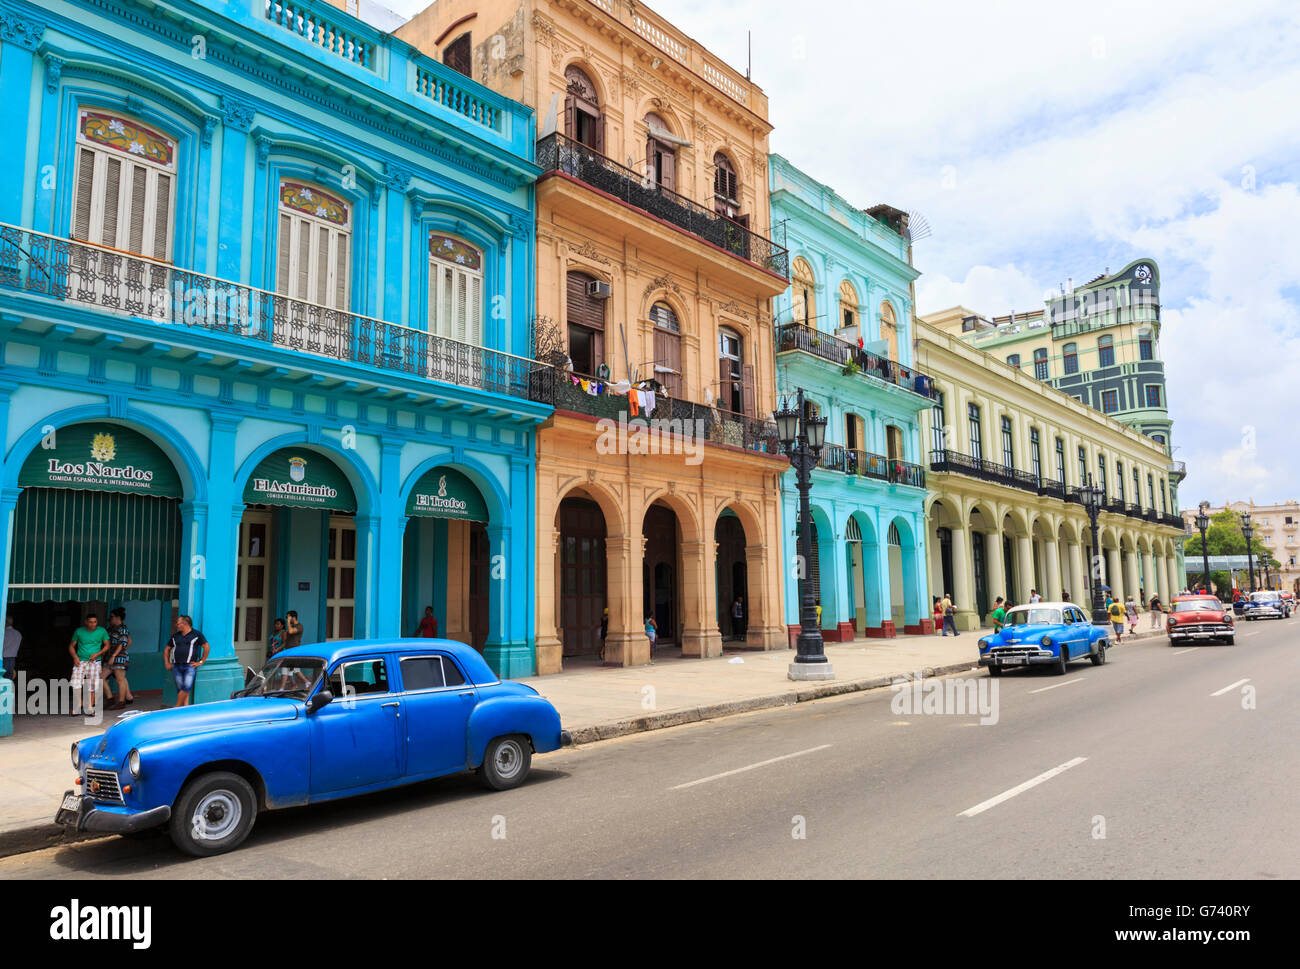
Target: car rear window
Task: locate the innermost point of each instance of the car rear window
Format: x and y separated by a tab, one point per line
1196	605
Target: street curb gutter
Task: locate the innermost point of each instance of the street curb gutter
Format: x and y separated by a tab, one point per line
712	711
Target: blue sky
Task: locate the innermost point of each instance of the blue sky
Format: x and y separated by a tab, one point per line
1044	141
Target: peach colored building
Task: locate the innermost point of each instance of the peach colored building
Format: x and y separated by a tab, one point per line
655	275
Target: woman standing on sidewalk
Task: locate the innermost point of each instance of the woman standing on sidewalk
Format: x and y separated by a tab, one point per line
119	659
1131	611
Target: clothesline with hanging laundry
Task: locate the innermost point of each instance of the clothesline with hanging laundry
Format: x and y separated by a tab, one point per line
640	400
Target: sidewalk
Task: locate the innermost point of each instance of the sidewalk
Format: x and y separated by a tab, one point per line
595	703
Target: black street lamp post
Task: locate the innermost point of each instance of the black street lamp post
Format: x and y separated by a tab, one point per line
1203	523
1092	498
803	437
1268	575
1248	531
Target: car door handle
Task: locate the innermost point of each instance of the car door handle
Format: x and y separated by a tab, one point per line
465	693
393	704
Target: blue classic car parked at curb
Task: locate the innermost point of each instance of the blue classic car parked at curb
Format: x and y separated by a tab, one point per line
317	723
1044	634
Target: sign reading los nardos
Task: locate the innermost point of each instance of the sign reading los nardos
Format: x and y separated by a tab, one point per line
101	457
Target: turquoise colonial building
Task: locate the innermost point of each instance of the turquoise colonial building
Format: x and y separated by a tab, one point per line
844	336
266	277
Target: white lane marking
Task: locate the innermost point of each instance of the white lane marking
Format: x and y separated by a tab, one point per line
1044	689
1189	649
1230	686
741	770
1020	788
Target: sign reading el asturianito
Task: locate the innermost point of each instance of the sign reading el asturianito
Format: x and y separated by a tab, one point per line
101	457
299	478
446	493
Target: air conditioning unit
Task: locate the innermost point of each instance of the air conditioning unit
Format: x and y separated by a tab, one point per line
598	289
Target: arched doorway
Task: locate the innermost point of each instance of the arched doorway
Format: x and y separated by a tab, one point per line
297	551
732	576
97	525
896	578
661	572
582	566
447	557
862	555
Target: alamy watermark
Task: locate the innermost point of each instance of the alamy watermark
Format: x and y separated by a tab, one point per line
953	696
652	436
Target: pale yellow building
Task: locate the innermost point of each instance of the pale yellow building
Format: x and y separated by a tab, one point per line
655	264
1007	456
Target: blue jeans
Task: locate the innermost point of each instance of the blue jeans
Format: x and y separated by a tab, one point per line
949	622
184	676
11	663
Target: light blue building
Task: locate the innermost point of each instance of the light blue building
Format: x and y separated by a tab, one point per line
843	334
266	277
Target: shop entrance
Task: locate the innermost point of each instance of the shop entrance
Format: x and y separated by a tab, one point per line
659	576
582	576
732	576
97	525
447	558
297	550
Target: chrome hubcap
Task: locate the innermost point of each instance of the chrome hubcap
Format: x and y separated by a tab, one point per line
216	816
508	759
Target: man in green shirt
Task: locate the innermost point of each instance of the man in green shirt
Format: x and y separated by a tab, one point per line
89	643
999	613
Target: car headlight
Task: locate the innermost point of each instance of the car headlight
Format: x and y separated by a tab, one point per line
984	644
76	758
1046	641
133	763
1173	622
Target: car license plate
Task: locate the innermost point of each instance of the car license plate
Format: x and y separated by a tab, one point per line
1013	661
72	802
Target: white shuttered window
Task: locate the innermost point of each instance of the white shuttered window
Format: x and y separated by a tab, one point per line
124	187
455	290
314	246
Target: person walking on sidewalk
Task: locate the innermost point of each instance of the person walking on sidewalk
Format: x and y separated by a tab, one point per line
428	627
89	644
1117	616
999	613
738	619
293	629
652	633
1131	611
949	615
938	615
13	643
1156	612
184	653
118	659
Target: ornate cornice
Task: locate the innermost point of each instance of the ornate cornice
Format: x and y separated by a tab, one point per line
397	177
238	114
588	250
24	33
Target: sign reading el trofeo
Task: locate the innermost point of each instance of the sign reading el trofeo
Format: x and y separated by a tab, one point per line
446	493
299	478
100	457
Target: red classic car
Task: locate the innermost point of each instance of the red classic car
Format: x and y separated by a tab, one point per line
1200	617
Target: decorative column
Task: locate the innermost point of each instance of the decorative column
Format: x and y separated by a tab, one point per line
385	569
964	593
1078	583
995	568
626	643
1149	578
211	569
20	36
1114	576
701	636
550	649
1131	575
238	119
1051	569
765	627
1024	566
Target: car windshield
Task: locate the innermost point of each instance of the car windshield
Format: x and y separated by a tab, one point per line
1196	605
1033	617
285	676
1263	596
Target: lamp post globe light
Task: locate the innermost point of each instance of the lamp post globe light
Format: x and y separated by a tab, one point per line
1203	523
802	438
1248	531
1092	498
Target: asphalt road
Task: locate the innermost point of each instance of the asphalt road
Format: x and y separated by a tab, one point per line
1159	750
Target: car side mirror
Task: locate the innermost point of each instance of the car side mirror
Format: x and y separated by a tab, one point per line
319	700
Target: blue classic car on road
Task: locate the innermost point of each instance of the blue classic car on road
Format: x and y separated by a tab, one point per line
1044	634
317	723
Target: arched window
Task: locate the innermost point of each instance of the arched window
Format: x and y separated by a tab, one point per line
660	153
455	290
458	55
1041	370
889	329
124	187
894	443
1070	358
803	308
313	245
1105	351
583	121
667	348
735	377
585	315
893	537
726	189
849	310
1146	348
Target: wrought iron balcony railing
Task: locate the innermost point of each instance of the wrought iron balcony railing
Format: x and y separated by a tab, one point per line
1115	505
957	463
558	153
1178	470
1051	489
127	285
864	464
686	418
1173	521
901	472
1133	510
800	336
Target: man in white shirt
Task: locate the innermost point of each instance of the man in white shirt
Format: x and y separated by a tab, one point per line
1034	596
13	642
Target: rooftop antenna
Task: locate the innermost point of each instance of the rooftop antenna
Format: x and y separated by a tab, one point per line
918	227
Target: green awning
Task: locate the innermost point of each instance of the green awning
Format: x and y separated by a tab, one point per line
446	493
299	478
101	457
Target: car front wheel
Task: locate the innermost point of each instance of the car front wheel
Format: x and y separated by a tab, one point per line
995	670
214	814
506	762
1062	661
1099	658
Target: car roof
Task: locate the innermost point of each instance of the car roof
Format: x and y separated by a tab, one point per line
469	657
1196	595
1045	605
